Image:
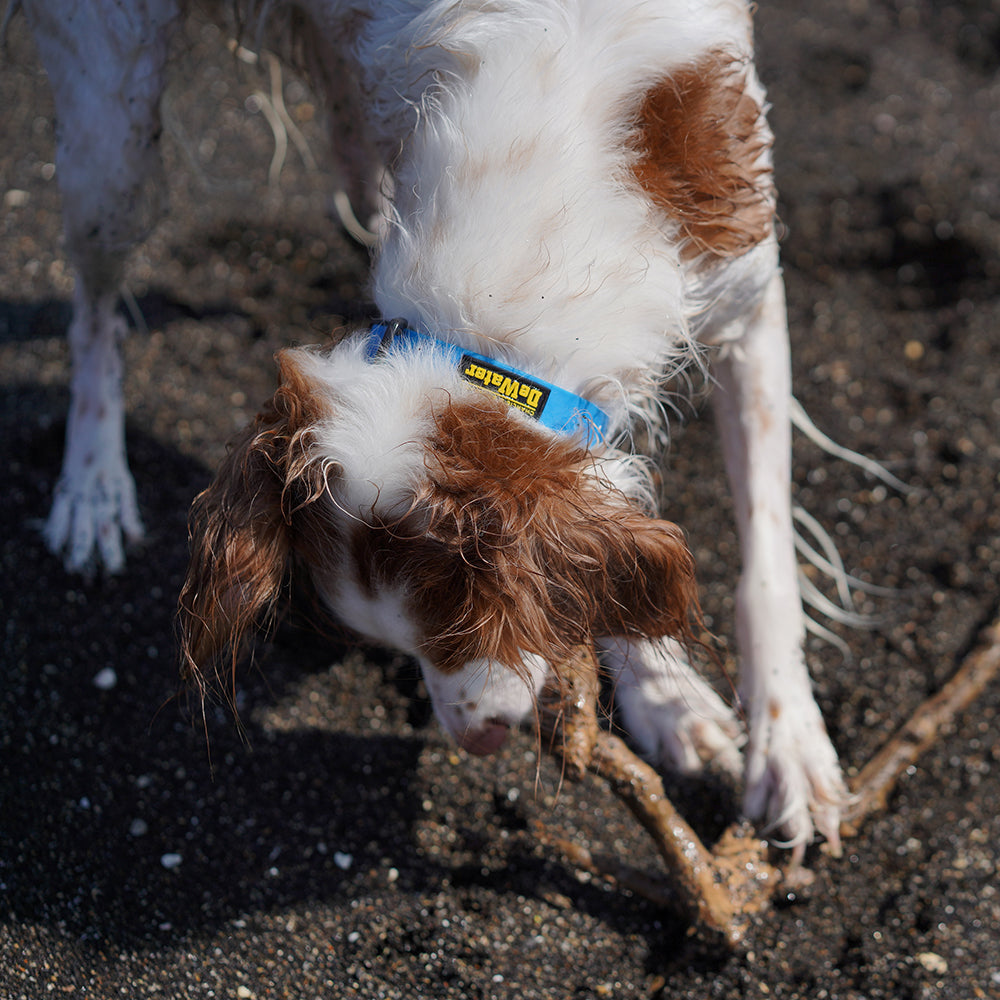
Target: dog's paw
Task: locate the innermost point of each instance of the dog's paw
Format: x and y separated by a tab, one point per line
670	712
794	787
92	518
685	732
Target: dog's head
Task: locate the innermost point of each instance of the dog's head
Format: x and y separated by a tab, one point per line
430	516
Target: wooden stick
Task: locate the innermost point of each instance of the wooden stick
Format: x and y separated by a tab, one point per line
876	781
717	891
642	883
721	889
717	898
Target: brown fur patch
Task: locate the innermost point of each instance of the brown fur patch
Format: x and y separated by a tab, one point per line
699	138
514	547
246	526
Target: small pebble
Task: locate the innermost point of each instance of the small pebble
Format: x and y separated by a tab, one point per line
15	198
932	962
106	679
343	861
170	860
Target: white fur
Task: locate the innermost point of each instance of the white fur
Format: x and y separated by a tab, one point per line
513	229
559	261
105	64
668	709
378	420
483	693
95	503
382	616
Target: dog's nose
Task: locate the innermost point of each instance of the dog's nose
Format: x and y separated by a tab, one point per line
485	740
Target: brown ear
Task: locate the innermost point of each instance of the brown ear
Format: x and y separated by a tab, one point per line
523	550
492	584
240	528
636	574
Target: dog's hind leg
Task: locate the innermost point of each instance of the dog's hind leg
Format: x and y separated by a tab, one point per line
105	62
793	780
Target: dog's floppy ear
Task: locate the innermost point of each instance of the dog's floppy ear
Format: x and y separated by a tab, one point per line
523	550
637	571
591	564
241	526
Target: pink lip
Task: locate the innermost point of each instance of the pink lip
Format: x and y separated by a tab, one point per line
482	742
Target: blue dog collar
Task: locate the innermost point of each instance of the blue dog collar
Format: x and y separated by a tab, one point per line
553	407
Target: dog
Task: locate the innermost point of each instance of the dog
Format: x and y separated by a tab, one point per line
576	205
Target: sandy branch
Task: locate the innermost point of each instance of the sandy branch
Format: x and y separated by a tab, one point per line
875	782
720	890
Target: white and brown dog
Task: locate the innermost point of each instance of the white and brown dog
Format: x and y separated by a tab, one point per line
578	204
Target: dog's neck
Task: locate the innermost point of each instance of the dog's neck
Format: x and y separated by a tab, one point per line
518	235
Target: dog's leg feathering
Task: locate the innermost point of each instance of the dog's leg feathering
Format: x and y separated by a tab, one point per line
793	780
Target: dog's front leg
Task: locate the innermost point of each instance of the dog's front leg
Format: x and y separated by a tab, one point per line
793	780
668	709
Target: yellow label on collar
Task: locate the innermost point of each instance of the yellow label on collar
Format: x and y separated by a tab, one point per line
512	387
